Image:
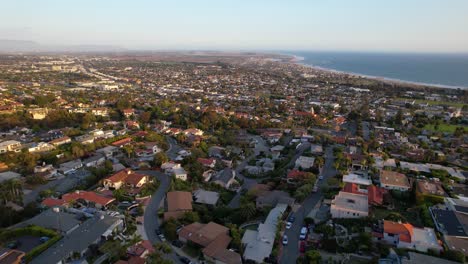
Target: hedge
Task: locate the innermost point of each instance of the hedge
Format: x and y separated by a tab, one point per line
32	231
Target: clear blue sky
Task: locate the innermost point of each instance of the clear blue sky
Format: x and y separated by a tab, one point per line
364	25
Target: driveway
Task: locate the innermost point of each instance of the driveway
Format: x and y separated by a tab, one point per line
291	251
174	148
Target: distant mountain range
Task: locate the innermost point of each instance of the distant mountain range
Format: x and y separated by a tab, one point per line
26	46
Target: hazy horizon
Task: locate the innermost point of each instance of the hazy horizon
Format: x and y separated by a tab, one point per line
349	26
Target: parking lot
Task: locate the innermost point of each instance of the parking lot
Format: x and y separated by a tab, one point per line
27	243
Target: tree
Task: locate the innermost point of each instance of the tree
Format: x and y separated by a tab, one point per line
159	159
313	257
247	211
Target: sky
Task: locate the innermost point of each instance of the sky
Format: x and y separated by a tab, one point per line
338	25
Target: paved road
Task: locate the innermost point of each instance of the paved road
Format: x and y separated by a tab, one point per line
291	251
151	221
365	130
174	148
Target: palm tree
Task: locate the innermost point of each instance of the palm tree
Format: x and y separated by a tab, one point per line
248	211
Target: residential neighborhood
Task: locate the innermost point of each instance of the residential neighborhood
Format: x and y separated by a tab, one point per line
227	159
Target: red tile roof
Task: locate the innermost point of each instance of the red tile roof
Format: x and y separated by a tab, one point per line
51	202
206	162
404	231
87	196
122	142
375	195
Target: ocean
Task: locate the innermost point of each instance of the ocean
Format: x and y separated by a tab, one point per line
448	70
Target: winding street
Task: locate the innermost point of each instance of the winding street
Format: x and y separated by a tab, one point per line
291	251
151	221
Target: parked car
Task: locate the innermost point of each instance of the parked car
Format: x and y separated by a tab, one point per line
302	246
285	240
291	219
44	239
185	260
303	234
158	231
13	244
177	243
162	237
288	225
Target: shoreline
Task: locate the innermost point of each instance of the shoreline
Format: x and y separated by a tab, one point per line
298	60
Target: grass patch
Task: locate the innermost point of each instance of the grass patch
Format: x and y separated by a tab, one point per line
430	102
443	128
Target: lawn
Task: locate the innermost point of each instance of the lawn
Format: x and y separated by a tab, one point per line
443	128
429	102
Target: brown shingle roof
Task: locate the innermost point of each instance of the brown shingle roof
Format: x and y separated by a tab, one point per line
179	201
394	178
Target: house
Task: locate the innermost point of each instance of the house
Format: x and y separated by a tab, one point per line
276	151
225	178
272	198
177	203
258	244
77	243
392	180
108	151
45	171
210	162
122	142
214	239
202	234
128	112
141	249
10	145
9	175
316	149
304	162
91	198
375	195
38	113
216	152
405	235
59	220
425	187
85	139
41	147
208	174
101	111
193	132
179	173
349	205
123	178
205	197
362	181
60	141
11	256
94	161
71	166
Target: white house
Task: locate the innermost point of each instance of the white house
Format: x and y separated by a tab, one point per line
349	205
405	235
70	166
10	145
305	162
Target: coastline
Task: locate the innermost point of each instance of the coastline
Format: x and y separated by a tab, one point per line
298	60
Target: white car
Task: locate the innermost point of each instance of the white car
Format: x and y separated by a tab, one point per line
288	225
285	240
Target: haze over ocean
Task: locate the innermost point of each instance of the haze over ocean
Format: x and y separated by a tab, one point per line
438	69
